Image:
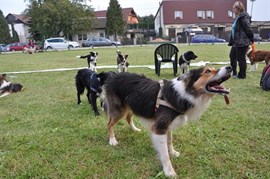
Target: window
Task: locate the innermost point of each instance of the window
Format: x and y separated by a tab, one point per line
210	14
82	36
178	14
231	14
201	14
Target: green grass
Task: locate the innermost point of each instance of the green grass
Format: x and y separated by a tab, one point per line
44	134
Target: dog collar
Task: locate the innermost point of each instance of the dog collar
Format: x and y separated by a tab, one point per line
183	57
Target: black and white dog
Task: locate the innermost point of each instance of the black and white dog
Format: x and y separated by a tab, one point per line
184	61
91	60
92	82
122	63
162	106
7	87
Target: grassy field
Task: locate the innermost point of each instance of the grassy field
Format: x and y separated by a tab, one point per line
45	134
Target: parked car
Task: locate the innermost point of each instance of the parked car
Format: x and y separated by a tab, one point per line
257	38
16	46
6	48
60	43
206	38
2	47
100	41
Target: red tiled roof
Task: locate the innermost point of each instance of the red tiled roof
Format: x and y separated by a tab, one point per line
126	12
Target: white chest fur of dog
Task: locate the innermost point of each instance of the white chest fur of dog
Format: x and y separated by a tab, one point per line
162	106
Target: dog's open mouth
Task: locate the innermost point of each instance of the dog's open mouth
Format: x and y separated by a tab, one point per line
216	87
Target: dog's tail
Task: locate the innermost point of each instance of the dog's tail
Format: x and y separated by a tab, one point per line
78	56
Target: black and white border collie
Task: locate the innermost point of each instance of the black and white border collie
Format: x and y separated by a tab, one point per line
91	60
122	63
7	87
163	105
184	61
92	82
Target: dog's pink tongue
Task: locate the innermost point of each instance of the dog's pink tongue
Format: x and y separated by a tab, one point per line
227	100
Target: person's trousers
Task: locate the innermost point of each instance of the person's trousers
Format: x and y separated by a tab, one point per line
238	54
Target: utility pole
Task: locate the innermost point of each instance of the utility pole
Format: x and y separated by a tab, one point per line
251	7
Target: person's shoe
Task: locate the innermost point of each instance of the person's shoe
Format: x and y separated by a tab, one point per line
239	77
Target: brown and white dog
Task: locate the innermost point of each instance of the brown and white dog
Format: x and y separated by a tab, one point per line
259	56
162	106
7	87
122	63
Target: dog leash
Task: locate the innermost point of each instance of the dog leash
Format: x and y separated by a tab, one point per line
253	50
161	101
91	87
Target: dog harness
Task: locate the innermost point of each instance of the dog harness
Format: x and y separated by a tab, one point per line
161	101
91	87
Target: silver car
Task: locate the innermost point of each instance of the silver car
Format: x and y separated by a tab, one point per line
59	43
100	41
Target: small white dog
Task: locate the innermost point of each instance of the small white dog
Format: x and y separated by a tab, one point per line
29	50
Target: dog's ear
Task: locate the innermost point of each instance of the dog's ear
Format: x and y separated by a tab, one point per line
126	56
120	56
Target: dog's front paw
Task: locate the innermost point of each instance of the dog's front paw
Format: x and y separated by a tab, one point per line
170	173
174	153
113	141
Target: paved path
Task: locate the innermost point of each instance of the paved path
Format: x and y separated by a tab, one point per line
165	65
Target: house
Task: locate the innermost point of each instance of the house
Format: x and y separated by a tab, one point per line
129	17
212	16
21	25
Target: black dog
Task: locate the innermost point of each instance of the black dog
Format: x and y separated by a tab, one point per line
93	82
91	60
184	61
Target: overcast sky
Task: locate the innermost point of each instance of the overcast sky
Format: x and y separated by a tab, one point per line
261	8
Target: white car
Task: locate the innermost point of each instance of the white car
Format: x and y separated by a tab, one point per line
59	43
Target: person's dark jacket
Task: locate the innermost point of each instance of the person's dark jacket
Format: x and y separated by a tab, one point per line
243	35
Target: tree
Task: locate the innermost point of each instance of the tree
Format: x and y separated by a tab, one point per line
51	18
115	24
146	22
4	30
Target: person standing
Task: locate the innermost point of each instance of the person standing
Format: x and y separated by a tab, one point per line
31	43
241	37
